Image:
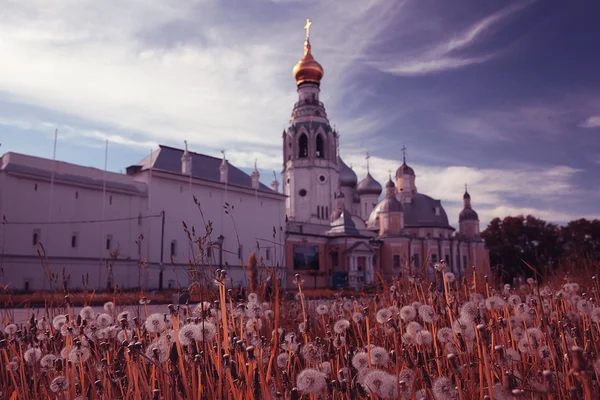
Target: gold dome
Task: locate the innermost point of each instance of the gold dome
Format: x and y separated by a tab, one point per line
308	69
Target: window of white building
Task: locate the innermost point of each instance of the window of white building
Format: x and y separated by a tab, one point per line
109	242
268	254
74	237
36	237
173	248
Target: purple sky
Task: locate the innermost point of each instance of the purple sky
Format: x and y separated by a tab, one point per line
502	95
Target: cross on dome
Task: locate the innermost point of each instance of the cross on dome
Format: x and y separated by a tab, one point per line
367	157
403	153
307	27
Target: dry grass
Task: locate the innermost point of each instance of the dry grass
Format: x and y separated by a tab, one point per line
412	340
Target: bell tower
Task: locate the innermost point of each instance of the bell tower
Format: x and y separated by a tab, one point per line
310	148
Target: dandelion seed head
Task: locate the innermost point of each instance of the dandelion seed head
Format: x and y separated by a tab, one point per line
311	381
322	309
444	389
155	323
59	384
381	384
282	360
360	360
87	313
383	315
408	313
379	356
341	326
427	314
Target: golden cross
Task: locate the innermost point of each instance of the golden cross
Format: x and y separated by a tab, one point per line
403	153
367	157
307	27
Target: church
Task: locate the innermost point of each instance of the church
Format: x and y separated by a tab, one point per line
340	233
68	226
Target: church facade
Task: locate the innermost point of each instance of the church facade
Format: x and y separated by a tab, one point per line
339	233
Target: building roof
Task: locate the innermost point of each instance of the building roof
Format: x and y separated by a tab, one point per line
468	214
347	175
203	167
404	169
343	225
368	185
419	213
67	173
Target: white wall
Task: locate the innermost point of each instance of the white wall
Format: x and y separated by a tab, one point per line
254	214
25	202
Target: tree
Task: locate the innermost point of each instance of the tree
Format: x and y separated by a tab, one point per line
514	242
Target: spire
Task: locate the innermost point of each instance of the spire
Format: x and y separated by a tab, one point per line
224	168
275	183
186	161
308	69
467	198
255	176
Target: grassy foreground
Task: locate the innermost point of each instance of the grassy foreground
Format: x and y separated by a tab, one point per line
413	340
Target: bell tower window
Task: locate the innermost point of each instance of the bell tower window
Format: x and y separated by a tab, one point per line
320	145
303	146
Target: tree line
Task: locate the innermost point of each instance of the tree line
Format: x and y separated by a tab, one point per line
519	245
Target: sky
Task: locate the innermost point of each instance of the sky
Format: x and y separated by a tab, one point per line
501	95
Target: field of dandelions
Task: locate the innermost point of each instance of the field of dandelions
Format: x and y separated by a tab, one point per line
442	340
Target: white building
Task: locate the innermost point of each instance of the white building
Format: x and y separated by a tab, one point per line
75	225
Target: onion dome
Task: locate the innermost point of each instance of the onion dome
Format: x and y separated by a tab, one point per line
347	176
308	69
468	214
369	186
390	203
404	170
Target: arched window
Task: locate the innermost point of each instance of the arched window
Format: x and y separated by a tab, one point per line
320	147
303	146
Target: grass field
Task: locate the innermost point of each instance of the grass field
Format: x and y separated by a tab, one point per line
447	339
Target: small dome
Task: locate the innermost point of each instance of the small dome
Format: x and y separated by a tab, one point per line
404	170
369	186
390	204
390	184
468	214
347	176
308	69
466	195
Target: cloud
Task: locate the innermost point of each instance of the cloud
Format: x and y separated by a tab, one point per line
591	122
216	86
451	54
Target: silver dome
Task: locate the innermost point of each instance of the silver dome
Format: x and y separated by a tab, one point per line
404	170
369	186
468	214
347	176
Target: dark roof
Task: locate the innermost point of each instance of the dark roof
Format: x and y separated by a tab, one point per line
404	170
368	185
468	214
203	167
347	175
420	212
73	179
343	225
